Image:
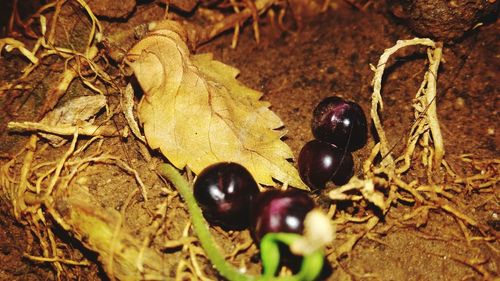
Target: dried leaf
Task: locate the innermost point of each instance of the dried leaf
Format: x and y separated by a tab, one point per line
79	109
197	113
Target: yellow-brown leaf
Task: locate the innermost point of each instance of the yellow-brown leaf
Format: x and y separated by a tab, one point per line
197	113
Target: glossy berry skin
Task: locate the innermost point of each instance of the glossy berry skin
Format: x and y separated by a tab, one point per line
320	162
279	211
340	122
225	192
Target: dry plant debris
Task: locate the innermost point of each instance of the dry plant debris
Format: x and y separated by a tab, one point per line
389	175
51	190
79	113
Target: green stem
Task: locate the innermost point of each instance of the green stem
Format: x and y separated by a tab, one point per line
200	226
310	269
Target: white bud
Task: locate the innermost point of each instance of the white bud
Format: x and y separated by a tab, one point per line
318	232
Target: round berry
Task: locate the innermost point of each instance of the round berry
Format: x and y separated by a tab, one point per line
279	211
340	122
225	192
320	162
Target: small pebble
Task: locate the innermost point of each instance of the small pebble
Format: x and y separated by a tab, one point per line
459	103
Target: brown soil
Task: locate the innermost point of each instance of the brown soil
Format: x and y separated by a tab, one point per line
330	55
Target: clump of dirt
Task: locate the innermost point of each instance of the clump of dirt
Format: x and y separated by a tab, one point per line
108	197
444	20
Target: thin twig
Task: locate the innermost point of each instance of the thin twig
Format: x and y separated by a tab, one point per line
64	130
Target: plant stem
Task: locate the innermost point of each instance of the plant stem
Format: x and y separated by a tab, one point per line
200	226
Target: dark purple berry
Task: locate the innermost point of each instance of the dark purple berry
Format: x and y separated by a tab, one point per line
279	211
320	162
225	192
340	122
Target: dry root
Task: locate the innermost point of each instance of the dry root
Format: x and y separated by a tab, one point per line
42	193
386	182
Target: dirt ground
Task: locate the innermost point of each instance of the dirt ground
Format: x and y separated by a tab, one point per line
329	54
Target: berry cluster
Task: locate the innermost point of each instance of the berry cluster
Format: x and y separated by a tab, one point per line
228	196
339	127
